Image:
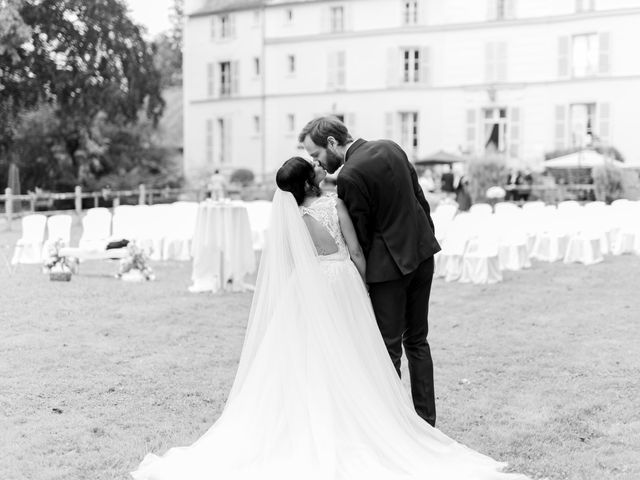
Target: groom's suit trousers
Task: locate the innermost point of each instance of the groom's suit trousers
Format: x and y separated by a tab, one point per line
402	310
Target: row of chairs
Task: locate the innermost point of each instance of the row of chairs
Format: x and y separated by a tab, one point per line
165	231
480	244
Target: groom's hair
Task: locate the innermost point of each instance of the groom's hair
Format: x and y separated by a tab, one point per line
320	128
293	176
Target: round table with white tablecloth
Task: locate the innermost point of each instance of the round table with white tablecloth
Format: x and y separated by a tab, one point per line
222	247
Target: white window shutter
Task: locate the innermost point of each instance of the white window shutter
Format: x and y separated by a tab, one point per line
563	56
604	61
492	10
332	70
579	5
390	128
394	67
232	25
235	76
211	76
490	62
341	69
471	130
325	19
501	61
561	126
604	120
515	132
347	20
425	65
510	9
212	27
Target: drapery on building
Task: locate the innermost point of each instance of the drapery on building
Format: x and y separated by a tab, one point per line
517	77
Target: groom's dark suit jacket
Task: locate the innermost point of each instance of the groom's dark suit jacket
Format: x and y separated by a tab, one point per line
392	218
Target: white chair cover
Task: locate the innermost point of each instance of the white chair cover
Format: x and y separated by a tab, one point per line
481	209
96	229
259	212
28	248
531	206
506	208
177	242
585	248
58	228
449	259
158	226
480	263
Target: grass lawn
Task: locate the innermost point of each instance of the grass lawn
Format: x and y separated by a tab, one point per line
540	371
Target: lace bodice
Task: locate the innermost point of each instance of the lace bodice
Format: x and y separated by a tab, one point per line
324	211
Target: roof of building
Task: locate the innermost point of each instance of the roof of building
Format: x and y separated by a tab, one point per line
220	6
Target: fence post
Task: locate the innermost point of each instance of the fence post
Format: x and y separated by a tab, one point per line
8	206
142	193
32	202
116	202
78	192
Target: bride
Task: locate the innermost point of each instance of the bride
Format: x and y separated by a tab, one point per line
316	396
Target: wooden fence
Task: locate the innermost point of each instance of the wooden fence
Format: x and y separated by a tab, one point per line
141	196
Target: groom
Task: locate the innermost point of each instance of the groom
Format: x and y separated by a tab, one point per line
393	223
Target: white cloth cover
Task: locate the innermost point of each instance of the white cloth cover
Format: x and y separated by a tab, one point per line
449	259
550	246
222	247
177	241
96	229
130	222
28	247
481	209
259	212
58	228
480	263
157	227
316	396
583	248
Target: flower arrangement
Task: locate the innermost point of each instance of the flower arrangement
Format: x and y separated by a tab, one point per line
134	267
58	267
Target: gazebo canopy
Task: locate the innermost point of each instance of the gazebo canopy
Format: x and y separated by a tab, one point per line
583	159
439	158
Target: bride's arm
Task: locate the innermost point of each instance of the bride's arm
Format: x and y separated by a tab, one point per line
349	233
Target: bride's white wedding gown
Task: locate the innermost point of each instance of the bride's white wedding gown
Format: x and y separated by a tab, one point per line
316	396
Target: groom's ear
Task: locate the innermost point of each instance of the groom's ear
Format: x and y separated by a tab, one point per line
332	141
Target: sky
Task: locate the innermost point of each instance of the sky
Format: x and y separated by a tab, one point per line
153	14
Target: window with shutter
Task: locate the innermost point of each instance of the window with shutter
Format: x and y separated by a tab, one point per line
563	56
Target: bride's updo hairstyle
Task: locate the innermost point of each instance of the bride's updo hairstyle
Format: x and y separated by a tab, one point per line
297	176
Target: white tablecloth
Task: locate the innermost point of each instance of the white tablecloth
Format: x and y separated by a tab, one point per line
221	247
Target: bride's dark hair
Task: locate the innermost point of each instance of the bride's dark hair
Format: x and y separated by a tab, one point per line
297	176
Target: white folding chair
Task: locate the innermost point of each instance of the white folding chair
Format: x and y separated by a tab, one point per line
177	243
481	263
28	248
58	229
96	229
157	228
481	209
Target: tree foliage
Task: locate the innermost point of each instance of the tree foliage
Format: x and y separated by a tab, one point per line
63	65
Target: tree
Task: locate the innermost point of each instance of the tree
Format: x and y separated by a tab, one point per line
169	48
82	59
